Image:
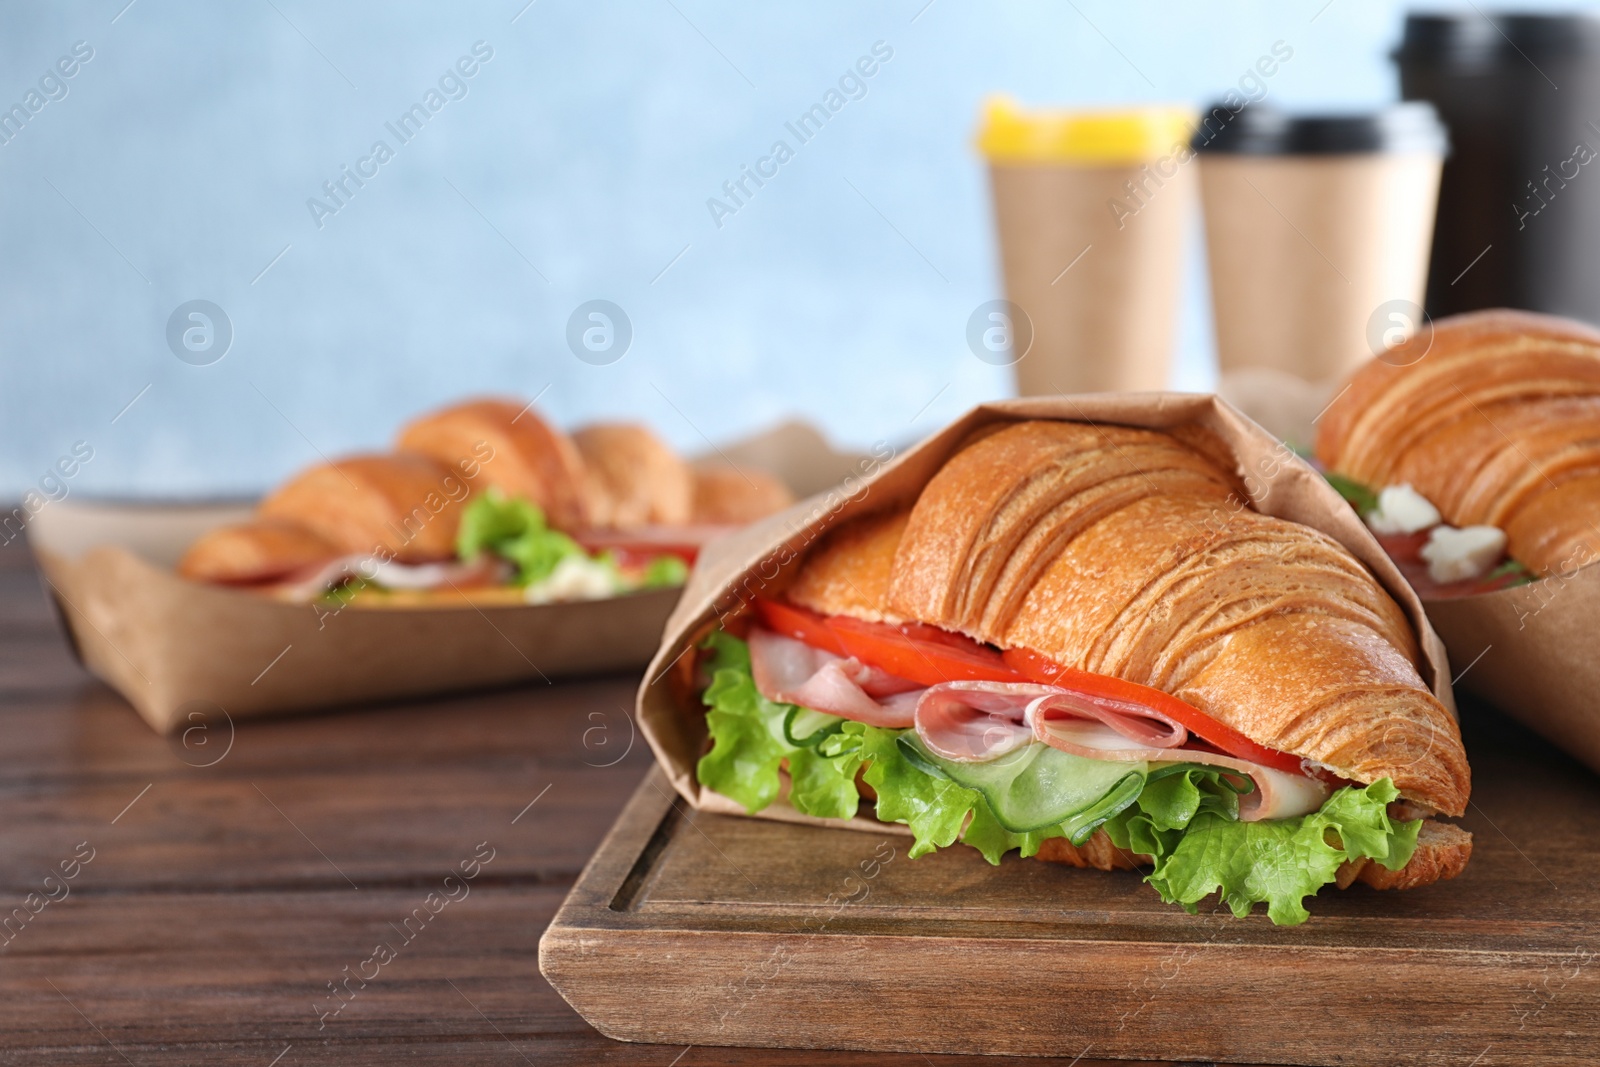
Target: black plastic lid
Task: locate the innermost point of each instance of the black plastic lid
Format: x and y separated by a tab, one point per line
1263	131
1471	39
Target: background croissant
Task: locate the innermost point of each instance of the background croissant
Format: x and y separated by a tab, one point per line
1128	552
1495	418
407	504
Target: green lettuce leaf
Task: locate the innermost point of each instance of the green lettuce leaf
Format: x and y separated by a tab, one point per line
985	834
1358	496
749	746
823	776
1185	816
1185	824
514	529
665	571
934	808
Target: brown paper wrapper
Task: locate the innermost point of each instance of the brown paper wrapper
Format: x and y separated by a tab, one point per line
1529	650
761	558
176	648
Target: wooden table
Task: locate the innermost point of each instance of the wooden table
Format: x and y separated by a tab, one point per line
220	890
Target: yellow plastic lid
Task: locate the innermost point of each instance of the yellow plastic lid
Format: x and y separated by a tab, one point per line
1011	134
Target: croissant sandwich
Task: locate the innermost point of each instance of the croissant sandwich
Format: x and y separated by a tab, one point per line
483	502
1077	641
1473	450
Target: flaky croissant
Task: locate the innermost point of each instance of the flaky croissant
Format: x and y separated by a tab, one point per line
405	507
1494	417
635	479
1129	552
725	494
519	453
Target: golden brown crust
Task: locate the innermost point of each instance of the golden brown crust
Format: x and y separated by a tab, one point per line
729	495
506	445
262	550
1126	553
1442	853
848	572
1496	420
1336	692
999	511
405	506
634	478
1098	852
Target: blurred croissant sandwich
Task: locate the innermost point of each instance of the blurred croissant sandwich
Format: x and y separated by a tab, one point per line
1079	643
1473	450
483	501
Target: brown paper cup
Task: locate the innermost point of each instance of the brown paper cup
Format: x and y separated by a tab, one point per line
1099	287
1305	249
763	557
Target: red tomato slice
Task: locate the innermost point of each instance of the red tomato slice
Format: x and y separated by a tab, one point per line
1405	548
926	655
800	624
1406	551
1226	739
640	546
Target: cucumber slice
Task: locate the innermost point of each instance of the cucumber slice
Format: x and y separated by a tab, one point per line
804	728
1039	787
1080	827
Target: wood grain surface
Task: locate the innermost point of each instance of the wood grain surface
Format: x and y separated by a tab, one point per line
230	884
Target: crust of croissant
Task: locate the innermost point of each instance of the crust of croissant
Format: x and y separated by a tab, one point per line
1499	415
1527	353
511	449
1442	853
634	479
261	550
998	511
848	571
1098	852
1270	627
728	495
401	504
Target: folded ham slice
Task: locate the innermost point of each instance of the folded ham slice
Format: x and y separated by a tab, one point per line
485	570
792	672
979	721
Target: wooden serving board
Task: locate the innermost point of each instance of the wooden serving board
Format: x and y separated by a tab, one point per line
691	928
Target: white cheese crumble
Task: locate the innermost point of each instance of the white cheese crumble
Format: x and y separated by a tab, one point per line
1402	510
575	578
1456	555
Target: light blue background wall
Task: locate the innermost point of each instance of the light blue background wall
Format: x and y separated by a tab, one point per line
577	166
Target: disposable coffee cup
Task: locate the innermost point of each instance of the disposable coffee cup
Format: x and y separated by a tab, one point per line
1519	207
1091	208
1318	230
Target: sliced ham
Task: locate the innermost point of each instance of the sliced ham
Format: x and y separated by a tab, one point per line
792	672
977	721
485	570
971	722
